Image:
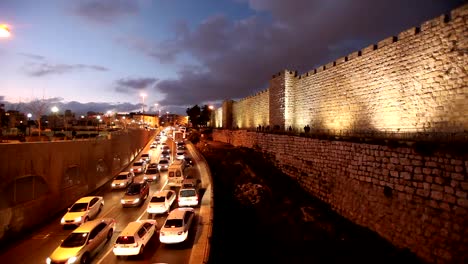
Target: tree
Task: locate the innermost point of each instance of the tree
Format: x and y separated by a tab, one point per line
194	115
205	115
37	108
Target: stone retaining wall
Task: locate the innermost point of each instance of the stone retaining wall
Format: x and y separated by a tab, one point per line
415	201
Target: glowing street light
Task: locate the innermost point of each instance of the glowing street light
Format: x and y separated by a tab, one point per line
29	115
4	31
54	110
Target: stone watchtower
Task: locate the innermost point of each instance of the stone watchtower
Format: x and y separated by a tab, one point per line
282	99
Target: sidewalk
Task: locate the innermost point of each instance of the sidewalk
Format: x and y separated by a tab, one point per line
201	247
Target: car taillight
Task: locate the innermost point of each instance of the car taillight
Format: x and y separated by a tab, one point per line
135	245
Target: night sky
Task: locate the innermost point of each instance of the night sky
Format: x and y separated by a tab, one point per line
100	55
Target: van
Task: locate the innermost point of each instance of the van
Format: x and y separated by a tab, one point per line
175	174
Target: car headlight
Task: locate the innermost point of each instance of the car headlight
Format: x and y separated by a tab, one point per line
122	184
48	260
122	201
136	200
72	260
113	185
62	220
78	219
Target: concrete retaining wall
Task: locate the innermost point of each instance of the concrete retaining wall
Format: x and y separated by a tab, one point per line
38	180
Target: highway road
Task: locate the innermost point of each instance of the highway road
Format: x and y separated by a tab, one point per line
36	247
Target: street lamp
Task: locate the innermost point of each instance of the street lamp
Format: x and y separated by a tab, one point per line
29	122
55	110
99	121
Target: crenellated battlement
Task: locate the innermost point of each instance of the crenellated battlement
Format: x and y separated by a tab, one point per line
432	24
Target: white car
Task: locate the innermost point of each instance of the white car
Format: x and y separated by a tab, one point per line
152	172
146	157
177	226
133	239
84	242
163	164
161	202
83	210
122	180
180	154
188	197
138	167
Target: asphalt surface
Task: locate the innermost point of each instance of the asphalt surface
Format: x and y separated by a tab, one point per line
282	223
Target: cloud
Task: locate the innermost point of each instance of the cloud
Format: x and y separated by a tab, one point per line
106	11
237	58
129	85
46	68
32	56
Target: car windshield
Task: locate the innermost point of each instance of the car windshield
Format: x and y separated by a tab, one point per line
144	155
163	162
134	189
155	199
75	240
125	240
137	164
187	193
121	177
152	171
173	223
79	207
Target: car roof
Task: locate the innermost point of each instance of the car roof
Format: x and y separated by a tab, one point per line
178	213
162	193
131	228
124	173
88	226
86	199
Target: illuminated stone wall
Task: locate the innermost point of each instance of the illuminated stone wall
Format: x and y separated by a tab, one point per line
413	200
415	81
39	179
251	111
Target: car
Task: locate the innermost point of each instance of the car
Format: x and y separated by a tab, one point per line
146	157
166	148
177	226
136	194
165	154
163	164
188	161
153	145
188	196
163	144
138	167
81	211
152	172
122	180
161	202
181	147
180	154
135	236
84	242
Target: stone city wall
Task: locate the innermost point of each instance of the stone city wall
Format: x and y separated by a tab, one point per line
415	201
251	111
414	81
40	179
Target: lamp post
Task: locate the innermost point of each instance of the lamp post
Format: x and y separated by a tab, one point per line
98	122
55	110
29	123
